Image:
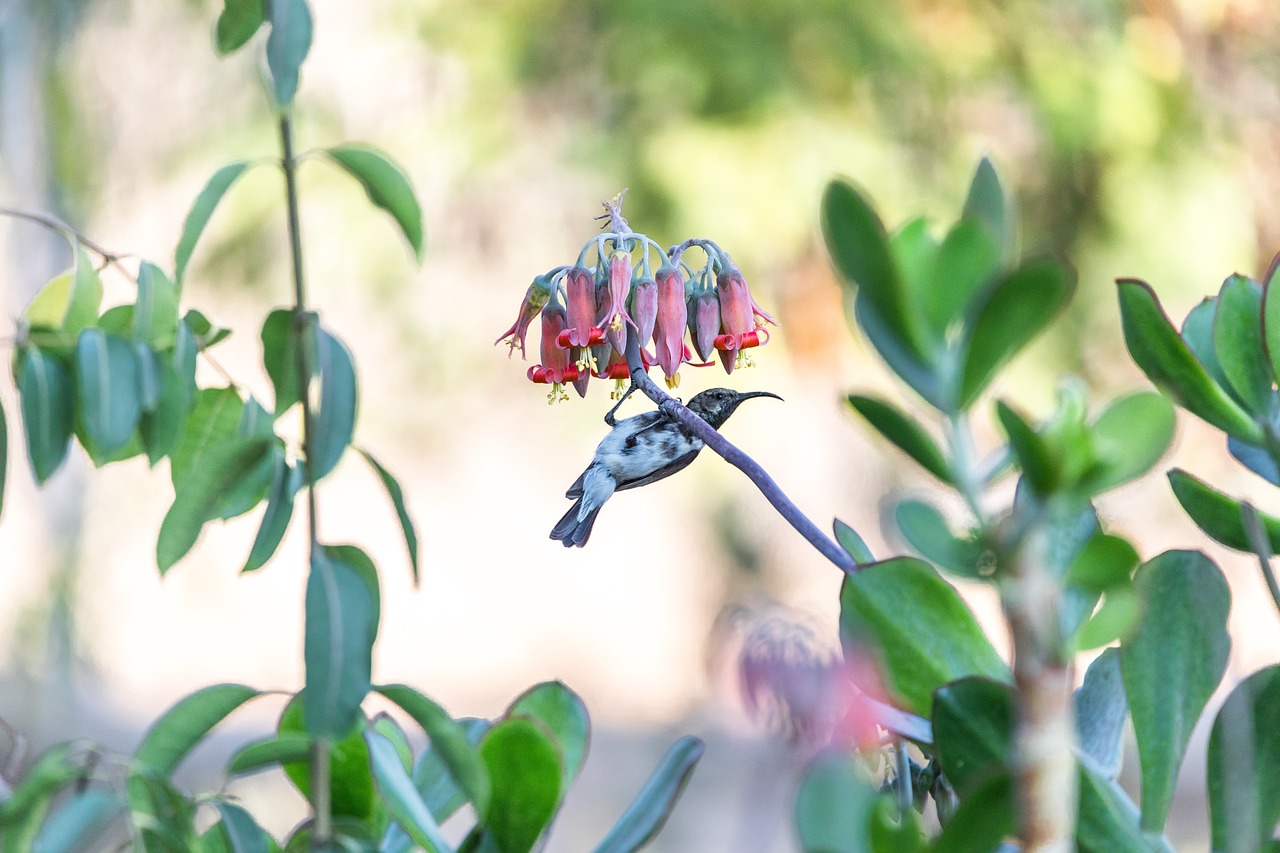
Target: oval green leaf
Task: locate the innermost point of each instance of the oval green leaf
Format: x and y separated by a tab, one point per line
1100	711
963	265
47	403
387	186
919	376
1129	437
1237	339
286	481
1171	665
184	725
107	390
214	421
207	201
973	722
242	831
987	204
155	315
289	747
919	629
851	542
524	766
985	818
1219	516
237	23
1016	309
1164	357
280	338
929	535
648	812
905	433
334	419
1244	752
398	794
70	301
563	713
342	609
350	775
287	47
1039	468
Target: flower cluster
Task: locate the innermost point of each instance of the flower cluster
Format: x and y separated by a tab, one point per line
635	287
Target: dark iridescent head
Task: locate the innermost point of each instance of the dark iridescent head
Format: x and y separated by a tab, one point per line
715	405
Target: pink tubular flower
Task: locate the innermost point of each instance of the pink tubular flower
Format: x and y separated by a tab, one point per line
581	330
668	331
740	321
616	370
616	315
644	307
557	366
534	298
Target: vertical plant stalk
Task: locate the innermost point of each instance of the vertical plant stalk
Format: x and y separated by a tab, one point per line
320	794
1045	768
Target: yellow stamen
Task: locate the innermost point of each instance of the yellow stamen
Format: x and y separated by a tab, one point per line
619	389
742	359
588	362
616	324
673	381
557	394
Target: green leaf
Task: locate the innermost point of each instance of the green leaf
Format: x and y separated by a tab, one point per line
242	831
290	747
150	376
963	265
402	511
207	201
648	812
834	805
1259	460
287	47
205	332
184	725
78	823
161	813
202	492
1129	437
1197	334
921	377
1039	468
1114	620
334	418
43	779
1244	752
905	433
280	338
929	535
896	832
987	204
436	785
155	316
286	480
162	427
449	740
239	20
1237	337
1016	308
918	628
69	302
1107	821
1167	361
342	607
524	766
563	714
1271	319
913	249
851	542
985	818
973	721
350	775
397	792
1219	516
1105	562
859	249
387	185
386	725
1100	712
1171	666
107	390
47	402
214	421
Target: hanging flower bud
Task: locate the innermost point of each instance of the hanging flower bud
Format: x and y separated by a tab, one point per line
644	308
582	329
534	298
557	366
704	323
617	317
739	326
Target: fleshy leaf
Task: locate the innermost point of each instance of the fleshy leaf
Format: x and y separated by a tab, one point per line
350	776
985	818
270	752
387	185
1100	712
563	713
1237	338
648	812
851	542
1039	468
919	629
905	433
910	369
963	265
1219	516
47	402
1244	751
987	203
342	606
1257	459
929	535
287	47
1129	437
1015	310
401	798
973	721
524	766
187	723
1171	666
834	805
1164	357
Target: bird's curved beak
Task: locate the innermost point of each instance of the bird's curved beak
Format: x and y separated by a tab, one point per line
749	394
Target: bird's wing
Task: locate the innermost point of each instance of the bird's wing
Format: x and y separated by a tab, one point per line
575	491
665	471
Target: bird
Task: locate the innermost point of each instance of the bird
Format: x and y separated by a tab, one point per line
640	450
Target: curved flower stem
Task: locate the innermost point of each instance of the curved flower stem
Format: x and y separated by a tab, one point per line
825	546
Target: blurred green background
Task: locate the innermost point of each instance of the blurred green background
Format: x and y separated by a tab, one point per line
1139	139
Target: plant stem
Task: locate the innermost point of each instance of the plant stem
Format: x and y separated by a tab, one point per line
320	794
825	545
1045	768
72	235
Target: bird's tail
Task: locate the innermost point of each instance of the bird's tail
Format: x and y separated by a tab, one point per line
574	530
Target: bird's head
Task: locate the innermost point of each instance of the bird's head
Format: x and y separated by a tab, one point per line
715	405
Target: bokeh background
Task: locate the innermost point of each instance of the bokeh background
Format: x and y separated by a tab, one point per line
1139	139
